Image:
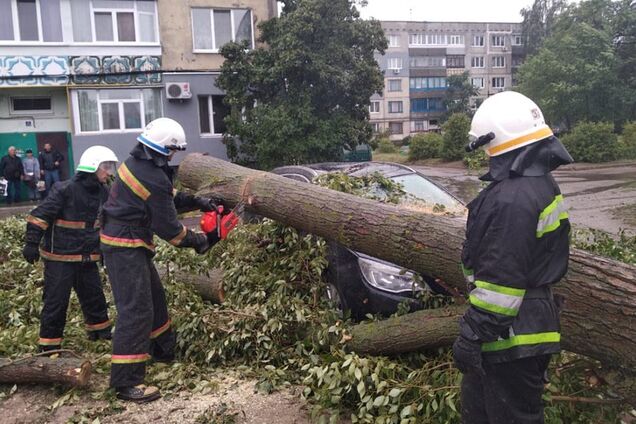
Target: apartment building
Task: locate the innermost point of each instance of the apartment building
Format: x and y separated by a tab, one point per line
420	58
75	73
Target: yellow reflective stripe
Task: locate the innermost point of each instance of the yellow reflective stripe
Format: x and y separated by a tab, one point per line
70	224
551	207
511	291
37	222
129	359
159	331
132	182
50	342
94	257
521	340
179	238
124	242
100	326
551	217
536	135
490	307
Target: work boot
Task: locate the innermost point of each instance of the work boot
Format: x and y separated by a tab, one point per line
139	393
104	334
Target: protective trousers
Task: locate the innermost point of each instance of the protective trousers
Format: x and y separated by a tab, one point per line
143	326
509	393
59	279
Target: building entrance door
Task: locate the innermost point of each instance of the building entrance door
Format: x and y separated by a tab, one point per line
59	141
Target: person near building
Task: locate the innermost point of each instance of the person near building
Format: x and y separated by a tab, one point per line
11	169
142	203
31	174
50	161
516	249
68	222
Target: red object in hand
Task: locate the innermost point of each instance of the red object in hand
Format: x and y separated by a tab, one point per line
210	222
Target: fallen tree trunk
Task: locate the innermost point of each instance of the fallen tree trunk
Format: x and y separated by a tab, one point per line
209	287
45	370
599	314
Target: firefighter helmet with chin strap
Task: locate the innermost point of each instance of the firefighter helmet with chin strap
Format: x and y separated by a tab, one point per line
513	119
163	135
96	156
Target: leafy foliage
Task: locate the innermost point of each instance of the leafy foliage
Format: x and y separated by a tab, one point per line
373	186
458	93
592	142
621	248
306	95
539	21
627	142
455	133
386	146
426	146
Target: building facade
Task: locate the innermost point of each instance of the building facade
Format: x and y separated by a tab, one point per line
420	58
75	73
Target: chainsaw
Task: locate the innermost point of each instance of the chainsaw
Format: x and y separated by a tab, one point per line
220	221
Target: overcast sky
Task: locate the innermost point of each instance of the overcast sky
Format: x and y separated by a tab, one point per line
446	10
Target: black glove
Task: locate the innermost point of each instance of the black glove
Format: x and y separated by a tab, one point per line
203	244
31	252
206	204
467	356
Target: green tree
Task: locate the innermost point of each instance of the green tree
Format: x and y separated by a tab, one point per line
458	93
455	134
306	95
539	21
592	142
573	77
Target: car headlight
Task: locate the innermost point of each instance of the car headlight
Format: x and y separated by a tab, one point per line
387	277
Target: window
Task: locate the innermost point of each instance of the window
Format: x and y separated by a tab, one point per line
418	126
375	127
427	62
517	40
395	107
455	61
21	105
117	21
498	41
395	85
395	127
477	62
394	63
30	20
212	113
374	107
212	28
478	41
115	110
498	62
427	83
394	40
433	104
456	40
517	61
498	82
477	82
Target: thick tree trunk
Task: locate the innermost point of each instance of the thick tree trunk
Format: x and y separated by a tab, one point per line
45	370
599	313
210	287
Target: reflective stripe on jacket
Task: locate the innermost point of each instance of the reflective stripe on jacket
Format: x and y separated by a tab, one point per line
516	248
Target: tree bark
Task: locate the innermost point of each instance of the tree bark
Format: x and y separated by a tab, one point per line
599	314
210	287
44	369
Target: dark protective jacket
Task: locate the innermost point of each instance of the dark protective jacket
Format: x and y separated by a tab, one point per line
48	159
516	248
67	219
142	203
11	167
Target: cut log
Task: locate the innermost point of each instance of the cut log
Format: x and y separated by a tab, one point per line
599	317
209	287
45	370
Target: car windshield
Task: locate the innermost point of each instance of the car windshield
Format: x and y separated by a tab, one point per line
422	189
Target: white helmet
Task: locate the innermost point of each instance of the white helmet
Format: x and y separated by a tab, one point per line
163	135
94	156
514	119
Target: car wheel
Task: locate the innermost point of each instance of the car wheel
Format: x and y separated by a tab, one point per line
335	298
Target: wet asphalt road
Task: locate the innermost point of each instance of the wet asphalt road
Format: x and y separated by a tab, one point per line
600	196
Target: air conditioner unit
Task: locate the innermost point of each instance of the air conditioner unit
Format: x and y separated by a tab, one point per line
396	71
178	90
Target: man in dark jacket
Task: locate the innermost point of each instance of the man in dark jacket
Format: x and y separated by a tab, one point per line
67	219
516	249
11	169
142	203
50	161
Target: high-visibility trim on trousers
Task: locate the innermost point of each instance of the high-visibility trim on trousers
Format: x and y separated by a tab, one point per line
99	326
130	359
50	342
159	331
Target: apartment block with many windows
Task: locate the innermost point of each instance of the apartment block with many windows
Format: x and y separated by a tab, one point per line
430	52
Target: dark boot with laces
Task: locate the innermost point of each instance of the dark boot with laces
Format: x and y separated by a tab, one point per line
139	393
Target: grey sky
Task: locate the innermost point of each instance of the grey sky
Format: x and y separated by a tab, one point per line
446	10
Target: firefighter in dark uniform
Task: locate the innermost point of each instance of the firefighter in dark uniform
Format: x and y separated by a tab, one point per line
143	203
67	219
516	249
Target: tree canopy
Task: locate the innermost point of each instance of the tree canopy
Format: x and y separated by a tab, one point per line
304	96
458	93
